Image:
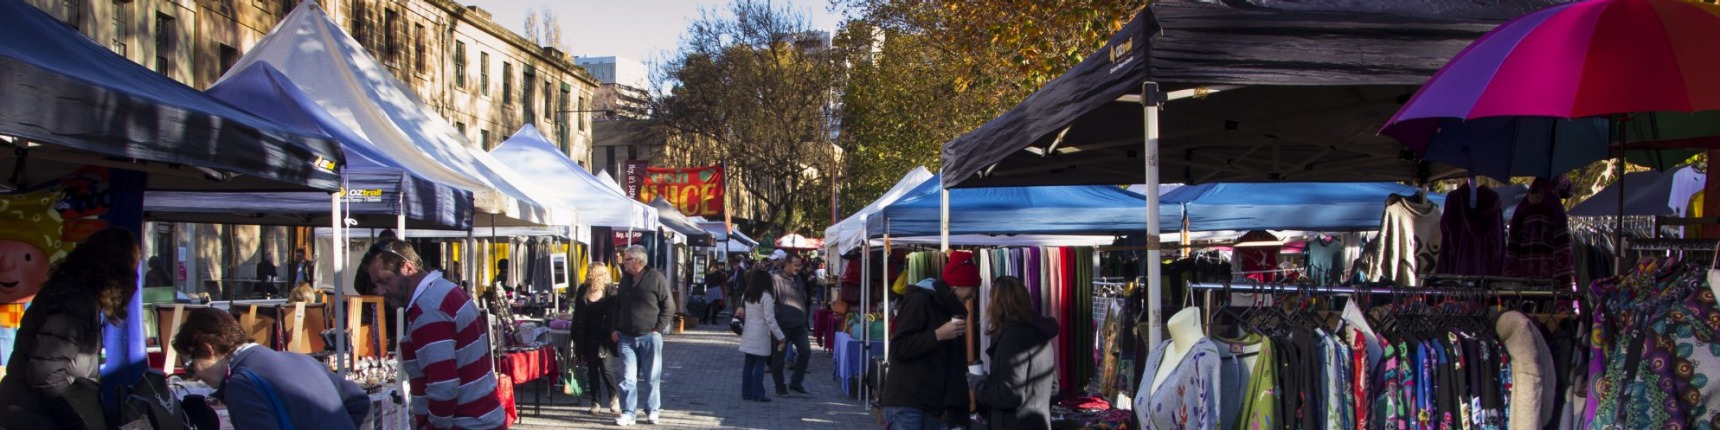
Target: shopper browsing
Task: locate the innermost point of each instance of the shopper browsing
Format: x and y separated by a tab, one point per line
445	350
758	334
261	387
1018	386
643	310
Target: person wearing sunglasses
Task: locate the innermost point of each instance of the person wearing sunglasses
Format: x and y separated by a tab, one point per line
264	388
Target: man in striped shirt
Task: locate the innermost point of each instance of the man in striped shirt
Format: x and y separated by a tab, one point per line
446	350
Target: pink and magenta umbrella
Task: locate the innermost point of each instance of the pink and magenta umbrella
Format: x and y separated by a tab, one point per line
1550	91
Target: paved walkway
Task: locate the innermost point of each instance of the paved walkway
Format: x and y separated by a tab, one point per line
701	390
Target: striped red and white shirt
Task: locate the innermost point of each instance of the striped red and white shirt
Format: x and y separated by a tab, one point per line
446	355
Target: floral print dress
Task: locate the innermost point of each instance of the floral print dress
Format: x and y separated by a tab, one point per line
1188	398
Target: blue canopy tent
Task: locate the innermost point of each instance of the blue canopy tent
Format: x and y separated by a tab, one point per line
380	189
1331	206
1079	209
533	155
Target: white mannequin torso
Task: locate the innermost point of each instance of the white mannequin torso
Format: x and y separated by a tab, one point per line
1185	330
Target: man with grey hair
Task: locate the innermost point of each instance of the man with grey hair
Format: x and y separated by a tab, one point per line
445	350
643	311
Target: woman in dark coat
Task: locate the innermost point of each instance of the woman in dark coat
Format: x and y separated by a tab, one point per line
593	308
51	378
1023	362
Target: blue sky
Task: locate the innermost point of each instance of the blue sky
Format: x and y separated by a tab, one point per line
638	29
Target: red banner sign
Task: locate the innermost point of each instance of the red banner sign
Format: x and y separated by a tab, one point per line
635	178
696	191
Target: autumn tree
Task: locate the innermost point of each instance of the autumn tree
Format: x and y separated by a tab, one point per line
544	28
924	72
754	87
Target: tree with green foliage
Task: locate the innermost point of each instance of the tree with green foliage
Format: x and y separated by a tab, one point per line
754	87
924	72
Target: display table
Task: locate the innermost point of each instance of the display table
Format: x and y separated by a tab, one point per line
850	364
530	365
825	323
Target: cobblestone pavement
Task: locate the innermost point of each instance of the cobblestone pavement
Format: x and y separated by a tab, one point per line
701	390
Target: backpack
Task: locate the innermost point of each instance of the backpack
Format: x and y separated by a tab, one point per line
150	401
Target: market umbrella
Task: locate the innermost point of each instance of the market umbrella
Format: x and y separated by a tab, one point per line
1550	91
798	242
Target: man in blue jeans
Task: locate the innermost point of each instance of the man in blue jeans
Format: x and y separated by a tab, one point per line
790	294
643	311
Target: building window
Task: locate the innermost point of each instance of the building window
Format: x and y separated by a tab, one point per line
229	57
548	97
418	52
390	36
355	17
164	31
225	7
507	84
561	115
460	65
484	139
119	28
74	12
461	127
584	105
484	73
527	92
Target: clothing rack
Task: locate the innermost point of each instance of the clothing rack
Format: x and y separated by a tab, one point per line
1671	244
1343	290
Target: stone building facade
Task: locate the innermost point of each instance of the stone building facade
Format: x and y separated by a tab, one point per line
485	79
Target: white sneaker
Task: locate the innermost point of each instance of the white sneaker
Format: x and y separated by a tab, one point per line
651	417
625	420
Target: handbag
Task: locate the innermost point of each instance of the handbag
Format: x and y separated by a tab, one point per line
859	324
570	382
738	323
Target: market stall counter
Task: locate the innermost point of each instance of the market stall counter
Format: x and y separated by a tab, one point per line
850	364
527	364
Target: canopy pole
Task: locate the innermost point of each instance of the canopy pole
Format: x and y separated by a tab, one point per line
1151	101
1618	219
944	220
865	300
400	219
336	222
885	316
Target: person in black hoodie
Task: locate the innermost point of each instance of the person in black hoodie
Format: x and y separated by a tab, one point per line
1023	361
925	354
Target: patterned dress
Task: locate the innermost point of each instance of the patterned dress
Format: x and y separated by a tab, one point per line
1188	398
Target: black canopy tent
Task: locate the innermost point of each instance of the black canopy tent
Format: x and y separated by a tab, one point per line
76	103
1257	91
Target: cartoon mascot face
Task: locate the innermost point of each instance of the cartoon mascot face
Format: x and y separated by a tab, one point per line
29	241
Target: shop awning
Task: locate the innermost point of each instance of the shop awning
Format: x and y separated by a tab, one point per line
1077	209
533	155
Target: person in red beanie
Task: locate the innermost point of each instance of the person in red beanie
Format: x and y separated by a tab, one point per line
926	387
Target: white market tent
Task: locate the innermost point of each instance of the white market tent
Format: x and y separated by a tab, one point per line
533	155
848	233
359	92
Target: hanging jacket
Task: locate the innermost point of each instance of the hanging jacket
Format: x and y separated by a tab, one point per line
1018	388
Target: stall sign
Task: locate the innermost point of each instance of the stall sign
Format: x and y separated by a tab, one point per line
695	191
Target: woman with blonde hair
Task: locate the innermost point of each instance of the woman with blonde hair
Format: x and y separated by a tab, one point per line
1023	364
593	313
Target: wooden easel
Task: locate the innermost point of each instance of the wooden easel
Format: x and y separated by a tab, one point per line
366	340
177	317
